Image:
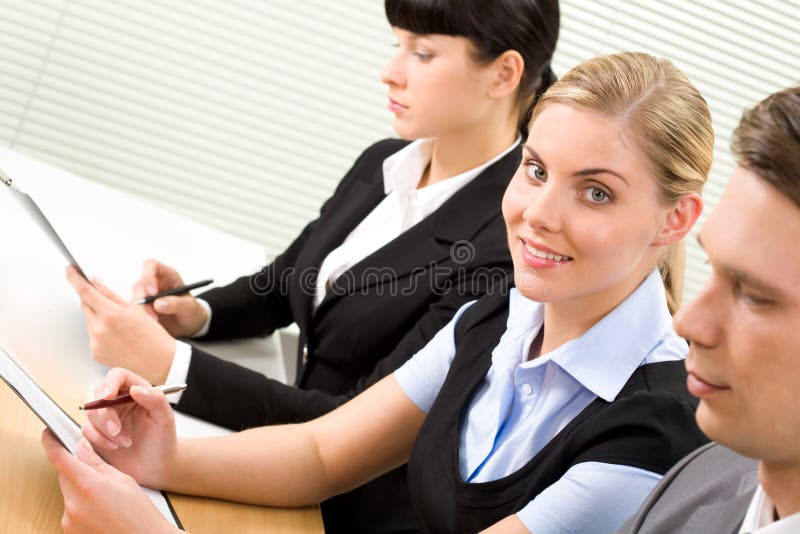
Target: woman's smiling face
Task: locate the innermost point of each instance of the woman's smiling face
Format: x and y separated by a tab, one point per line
583	211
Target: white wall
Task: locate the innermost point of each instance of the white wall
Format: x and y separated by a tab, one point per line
245	114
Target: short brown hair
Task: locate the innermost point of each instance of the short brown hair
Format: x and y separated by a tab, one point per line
767	141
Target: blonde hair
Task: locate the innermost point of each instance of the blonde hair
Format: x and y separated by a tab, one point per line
667	118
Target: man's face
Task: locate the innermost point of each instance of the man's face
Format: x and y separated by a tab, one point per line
744	327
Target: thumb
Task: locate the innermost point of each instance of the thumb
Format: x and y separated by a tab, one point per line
87	455
174	305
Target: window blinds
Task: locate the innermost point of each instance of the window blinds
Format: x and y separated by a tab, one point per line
245	114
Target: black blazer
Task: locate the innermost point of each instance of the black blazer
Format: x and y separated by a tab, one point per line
373	319
397	299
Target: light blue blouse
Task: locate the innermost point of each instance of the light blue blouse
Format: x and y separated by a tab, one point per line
522	404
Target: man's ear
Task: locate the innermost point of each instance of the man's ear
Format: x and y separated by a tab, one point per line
680	219
507	69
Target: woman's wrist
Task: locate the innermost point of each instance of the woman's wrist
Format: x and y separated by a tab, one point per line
173	476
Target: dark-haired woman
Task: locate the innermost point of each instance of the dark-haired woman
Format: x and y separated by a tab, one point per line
412	232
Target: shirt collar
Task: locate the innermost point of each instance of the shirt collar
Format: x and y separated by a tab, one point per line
760	516
606	355
403	170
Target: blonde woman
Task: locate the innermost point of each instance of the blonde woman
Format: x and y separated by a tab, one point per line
412	232
555	407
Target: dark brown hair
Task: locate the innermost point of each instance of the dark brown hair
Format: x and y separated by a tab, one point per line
493	26
767	141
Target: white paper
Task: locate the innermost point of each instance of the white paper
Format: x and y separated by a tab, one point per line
66	430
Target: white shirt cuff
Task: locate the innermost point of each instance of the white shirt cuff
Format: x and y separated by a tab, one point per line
179	370
204	329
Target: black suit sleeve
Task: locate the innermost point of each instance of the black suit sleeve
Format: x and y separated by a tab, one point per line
238	398
258	304
235	397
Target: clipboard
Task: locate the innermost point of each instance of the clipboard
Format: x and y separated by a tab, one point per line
66	430
29	205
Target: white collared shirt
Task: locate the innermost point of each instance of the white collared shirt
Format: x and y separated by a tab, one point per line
403	207
522	404
760	517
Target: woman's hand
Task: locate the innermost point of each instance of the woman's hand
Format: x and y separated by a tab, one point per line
97	497
122	334
181	316
138	438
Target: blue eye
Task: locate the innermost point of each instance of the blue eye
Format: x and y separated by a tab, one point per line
535	171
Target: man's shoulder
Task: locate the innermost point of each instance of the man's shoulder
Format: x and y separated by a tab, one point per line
707	491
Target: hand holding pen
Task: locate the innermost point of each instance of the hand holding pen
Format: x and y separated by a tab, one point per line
163	293
126	398
180	290
137	437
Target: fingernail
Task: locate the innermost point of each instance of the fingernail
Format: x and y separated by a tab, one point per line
124	440
151	289
105	392
140	391
160	305
113	428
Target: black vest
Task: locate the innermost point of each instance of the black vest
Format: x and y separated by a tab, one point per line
649	425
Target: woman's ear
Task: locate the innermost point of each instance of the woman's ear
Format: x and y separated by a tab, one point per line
680	219
507	72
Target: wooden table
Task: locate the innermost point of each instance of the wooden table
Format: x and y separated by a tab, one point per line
30	500
42	327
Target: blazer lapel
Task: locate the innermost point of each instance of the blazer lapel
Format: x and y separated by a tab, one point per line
430	241
342	218
466	212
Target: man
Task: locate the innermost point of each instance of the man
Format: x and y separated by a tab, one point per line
744	329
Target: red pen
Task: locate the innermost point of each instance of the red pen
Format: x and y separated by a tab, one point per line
126	398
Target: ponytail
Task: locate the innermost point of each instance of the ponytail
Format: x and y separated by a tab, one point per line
671	267
547	78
